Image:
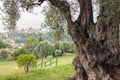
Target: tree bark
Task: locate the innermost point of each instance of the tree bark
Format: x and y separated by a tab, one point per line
98	57
97	44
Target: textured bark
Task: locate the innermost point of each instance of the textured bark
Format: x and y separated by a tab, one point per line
97	44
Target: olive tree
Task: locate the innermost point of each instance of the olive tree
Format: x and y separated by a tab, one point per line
97	42
30	43
65	47
43	49
27	61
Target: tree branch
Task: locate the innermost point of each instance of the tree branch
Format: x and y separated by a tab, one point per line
86	12
64	7
36	3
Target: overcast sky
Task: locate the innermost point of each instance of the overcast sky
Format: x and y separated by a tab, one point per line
31	19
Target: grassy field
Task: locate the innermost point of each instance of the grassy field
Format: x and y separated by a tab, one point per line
59	72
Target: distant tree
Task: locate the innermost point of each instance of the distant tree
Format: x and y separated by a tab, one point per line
58	53
30	43
40	39
43	49
65	46
4	54
19	52
73	47
2	44
27	61
57	23
57	45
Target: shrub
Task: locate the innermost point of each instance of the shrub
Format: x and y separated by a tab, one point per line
58	52
9	58
56	47
27	61
18	52
3	54
53	54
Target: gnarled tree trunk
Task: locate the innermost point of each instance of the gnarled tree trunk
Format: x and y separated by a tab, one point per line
98	55
97	43
98	46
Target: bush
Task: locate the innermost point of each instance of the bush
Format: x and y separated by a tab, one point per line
18	52
9	58
53	54
56	46
14	78
3	54
58	52
27	61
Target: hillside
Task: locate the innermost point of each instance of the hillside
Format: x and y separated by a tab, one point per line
20	35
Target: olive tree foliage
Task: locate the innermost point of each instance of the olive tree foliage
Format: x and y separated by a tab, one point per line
65	47
30	43
19	52
26	61
43	49
11	11
58	52
55	22
57	45
112	12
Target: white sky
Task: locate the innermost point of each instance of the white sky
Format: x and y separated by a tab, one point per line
31	19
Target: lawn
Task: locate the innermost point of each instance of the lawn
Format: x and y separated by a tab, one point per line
59	72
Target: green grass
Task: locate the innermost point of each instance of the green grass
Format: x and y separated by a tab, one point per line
55	73
9	68
59	72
